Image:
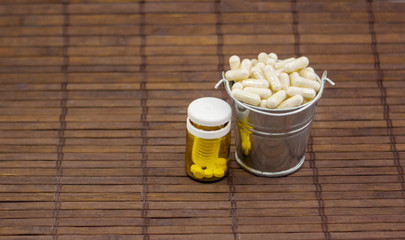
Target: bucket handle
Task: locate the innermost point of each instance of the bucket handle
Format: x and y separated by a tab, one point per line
223	80
321	80
226	82
325	78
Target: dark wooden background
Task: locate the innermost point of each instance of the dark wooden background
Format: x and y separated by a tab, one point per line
93	98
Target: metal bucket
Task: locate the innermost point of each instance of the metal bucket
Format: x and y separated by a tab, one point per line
271	142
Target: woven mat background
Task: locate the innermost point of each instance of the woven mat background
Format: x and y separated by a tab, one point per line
93	98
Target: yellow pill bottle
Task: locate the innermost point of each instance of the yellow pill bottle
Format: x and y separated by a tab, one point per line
208	139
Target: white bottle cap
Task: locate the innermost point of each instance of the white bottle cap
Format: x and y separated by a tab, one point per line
209	112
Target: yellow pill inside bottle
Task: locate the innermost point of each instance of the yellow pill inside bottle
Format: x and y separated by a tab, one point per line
208	139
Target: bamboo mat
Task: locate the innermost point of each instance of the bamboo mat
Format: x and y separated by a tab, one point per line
93	100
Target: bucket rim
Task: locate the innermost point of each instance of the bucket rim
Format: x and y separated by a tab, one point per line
278	112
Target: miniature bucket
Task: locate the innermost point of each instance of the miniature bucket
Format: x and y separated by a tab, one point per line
271	142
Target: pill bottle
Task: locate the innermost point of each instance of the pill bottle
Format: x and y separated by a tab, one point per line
208	139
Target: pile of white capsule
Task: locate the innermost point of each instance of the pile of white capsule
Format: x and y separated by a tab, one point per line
269	82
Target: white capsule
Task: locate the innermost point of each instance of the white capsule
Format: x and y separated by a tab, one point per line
273	56
276	99
257	73
263	103
262	57
254	61
310	69
262	92
281	63
246	64
271	62
237	74
260	65
234	62
258	83
301	62
284	80
305	92
271	76
237	85
298	81
293	101
279	71
246	97
305	73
